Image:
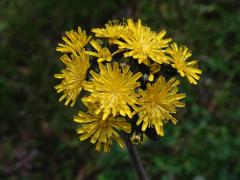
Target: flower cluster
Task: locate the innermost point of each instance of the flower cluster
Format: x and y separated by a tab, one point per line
126	75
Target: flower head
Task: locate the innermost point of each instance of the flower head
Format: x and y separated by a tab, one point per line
142	43
74	41
103	54
178	57
112	30
101	132
72	77
113	89
124	89
158	102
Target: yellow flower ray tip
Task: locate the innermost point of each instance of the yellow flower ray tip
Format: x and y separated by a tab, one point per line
113	30
103	54
74	41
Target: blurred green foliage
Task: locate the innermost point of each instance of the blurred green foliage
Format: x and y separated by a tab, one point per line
37	134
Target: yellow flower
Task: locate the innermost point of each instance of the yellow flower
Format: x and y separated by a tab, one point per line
101	132
158	102
112	30
103	54
74	41
142	43
178	57
72	77
113	89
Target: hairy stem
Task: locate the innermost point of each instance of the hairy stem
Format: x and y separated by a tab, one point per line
136	162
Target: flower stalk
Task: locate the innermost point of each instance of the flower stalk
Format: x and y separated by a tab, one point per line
136	161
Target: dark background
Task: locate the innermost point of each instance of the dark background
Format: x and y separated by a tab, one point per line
37	134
